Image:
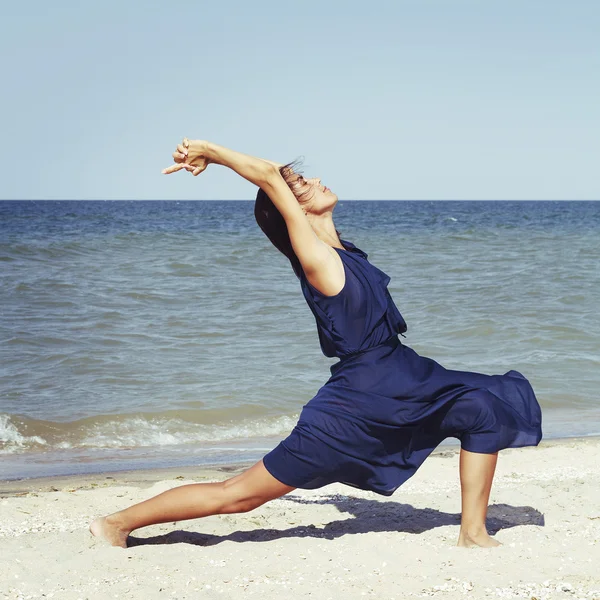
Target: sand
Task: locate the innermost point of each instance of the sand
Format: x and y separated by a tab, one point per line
336	542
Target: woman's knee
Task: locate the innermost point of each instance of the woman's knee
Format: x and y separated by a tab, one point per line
473	413
249	490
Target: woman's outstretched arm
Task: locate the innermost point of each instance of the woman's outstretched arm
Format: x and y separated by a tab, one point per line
196	155
314	255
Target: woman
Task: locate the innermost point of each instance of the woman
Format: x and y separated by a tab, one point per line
384	408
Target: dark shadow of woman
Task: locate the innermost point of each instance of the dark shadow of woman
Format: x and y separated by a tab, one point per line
369	516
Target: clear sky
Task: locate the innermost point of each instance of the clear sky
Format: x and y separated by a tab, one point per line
446	99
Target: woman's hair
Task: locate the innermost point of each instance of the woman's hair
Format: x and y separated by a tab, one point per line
271	222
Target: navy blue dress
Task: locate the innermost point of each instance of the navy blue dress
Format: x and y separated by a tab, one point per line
385	408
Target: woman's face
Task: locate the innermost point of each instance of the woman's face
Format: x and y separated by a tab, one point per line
312	195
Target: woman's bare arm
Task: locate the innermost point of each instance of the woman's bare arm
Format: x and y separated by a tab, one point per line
313	254
196	155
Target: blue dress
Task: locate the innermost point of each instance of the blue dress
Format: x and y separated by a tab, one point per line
385	408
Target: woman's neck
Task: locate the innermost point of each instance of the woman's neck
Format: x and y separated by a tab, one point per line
324	228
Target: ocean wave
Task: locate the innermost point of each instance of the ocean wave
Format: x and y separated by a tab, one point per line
128	432
12	440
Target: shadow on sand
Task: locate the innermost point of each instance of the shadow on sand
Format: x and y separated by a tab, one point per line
369	516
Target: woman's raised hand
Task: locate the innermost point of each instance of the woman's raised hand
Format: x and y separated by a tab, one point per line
191	156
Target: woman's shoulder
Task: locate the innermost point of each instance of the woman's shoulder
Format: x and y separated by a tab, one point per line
329	279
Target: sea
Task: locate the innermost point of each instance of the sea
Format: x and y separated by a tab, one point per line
138	335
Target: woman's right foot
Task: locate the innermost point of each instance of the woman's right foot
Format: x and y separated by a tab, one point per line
481	538
108	529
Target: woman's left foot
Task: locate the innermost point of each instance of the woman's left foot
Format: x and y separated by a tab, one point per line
476	538
108	529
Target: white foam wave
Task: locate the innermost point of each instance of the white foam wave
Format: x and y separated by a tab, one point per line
139	432
12	440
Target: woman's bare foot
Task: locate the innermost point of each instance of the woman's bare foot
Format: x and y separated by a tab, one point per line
468	539
109	529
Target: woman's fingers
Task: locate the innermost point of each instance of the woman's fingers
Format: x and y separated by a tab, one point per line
180	156
190	168
174	168
194	170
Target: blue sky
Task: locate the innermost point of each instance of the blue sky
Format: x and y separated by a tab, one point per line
428	100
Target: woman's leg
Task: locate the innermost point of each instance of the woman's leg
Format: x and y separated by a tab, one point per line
476	475
242	493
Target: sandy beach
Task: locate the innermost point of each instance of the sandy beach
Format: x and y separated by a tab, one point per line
336	542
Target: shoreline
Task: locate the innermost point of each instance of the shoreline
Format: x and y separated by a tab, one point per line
146	477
